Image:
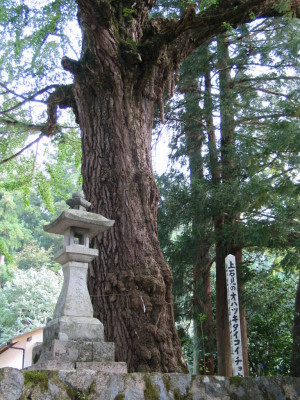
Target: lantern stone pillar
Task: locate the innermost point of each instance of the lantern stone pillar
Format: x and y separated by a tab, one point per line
73	338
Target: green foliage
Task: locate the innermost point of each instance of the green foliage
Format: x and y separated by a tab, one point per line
6	272
127	12
257	205
27	301
175	8
24	244
55	172
252	15
35	31
14	233
228	27
34	256
270	305
4	251
33	38
205	4
265	154
283	7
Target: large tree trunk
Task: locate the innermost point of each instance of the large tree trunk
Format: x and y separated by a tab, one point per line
130	283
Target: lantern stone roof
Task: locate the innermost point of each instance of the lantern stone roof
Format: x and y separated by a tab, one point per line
91	222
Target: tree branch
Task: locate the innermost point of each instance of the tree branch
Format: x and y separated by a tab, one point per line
194	29
62	97
27	127
22	150
263	90
70	65
253	120
26	99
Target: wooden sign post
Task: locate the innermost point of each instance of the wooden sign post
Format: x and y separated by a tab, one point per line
234	317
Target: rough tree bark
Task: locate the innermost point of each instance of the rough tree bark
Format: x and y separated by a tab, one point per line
127	62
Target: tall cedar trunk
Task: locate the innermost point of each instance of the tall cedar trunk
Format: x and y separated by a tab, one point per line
222	248
203	328
295	361
194	138
229	168
196	336
222	326
208	325
127	62
229	175
202	304
206	245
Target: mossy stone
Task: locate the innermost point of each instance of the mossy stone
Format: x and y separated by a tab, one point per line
34	378
76	394
179	396
120	397
150	393
235	380
167	383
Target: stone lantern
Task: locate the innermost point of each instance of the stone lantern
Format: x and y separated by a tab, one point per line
74	339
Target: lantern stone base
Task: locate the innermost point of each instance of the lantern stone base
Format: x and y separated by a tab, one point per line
75	342
65	355
108	366
74	328
74	351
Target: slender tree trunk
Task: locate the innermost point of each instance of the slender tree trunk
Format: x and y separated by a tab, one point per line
295	361
222	325
203	340
208	324
194	142
196	330
202	329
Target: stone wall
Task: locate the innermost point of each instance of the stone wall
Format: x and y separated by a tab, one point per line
92	385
